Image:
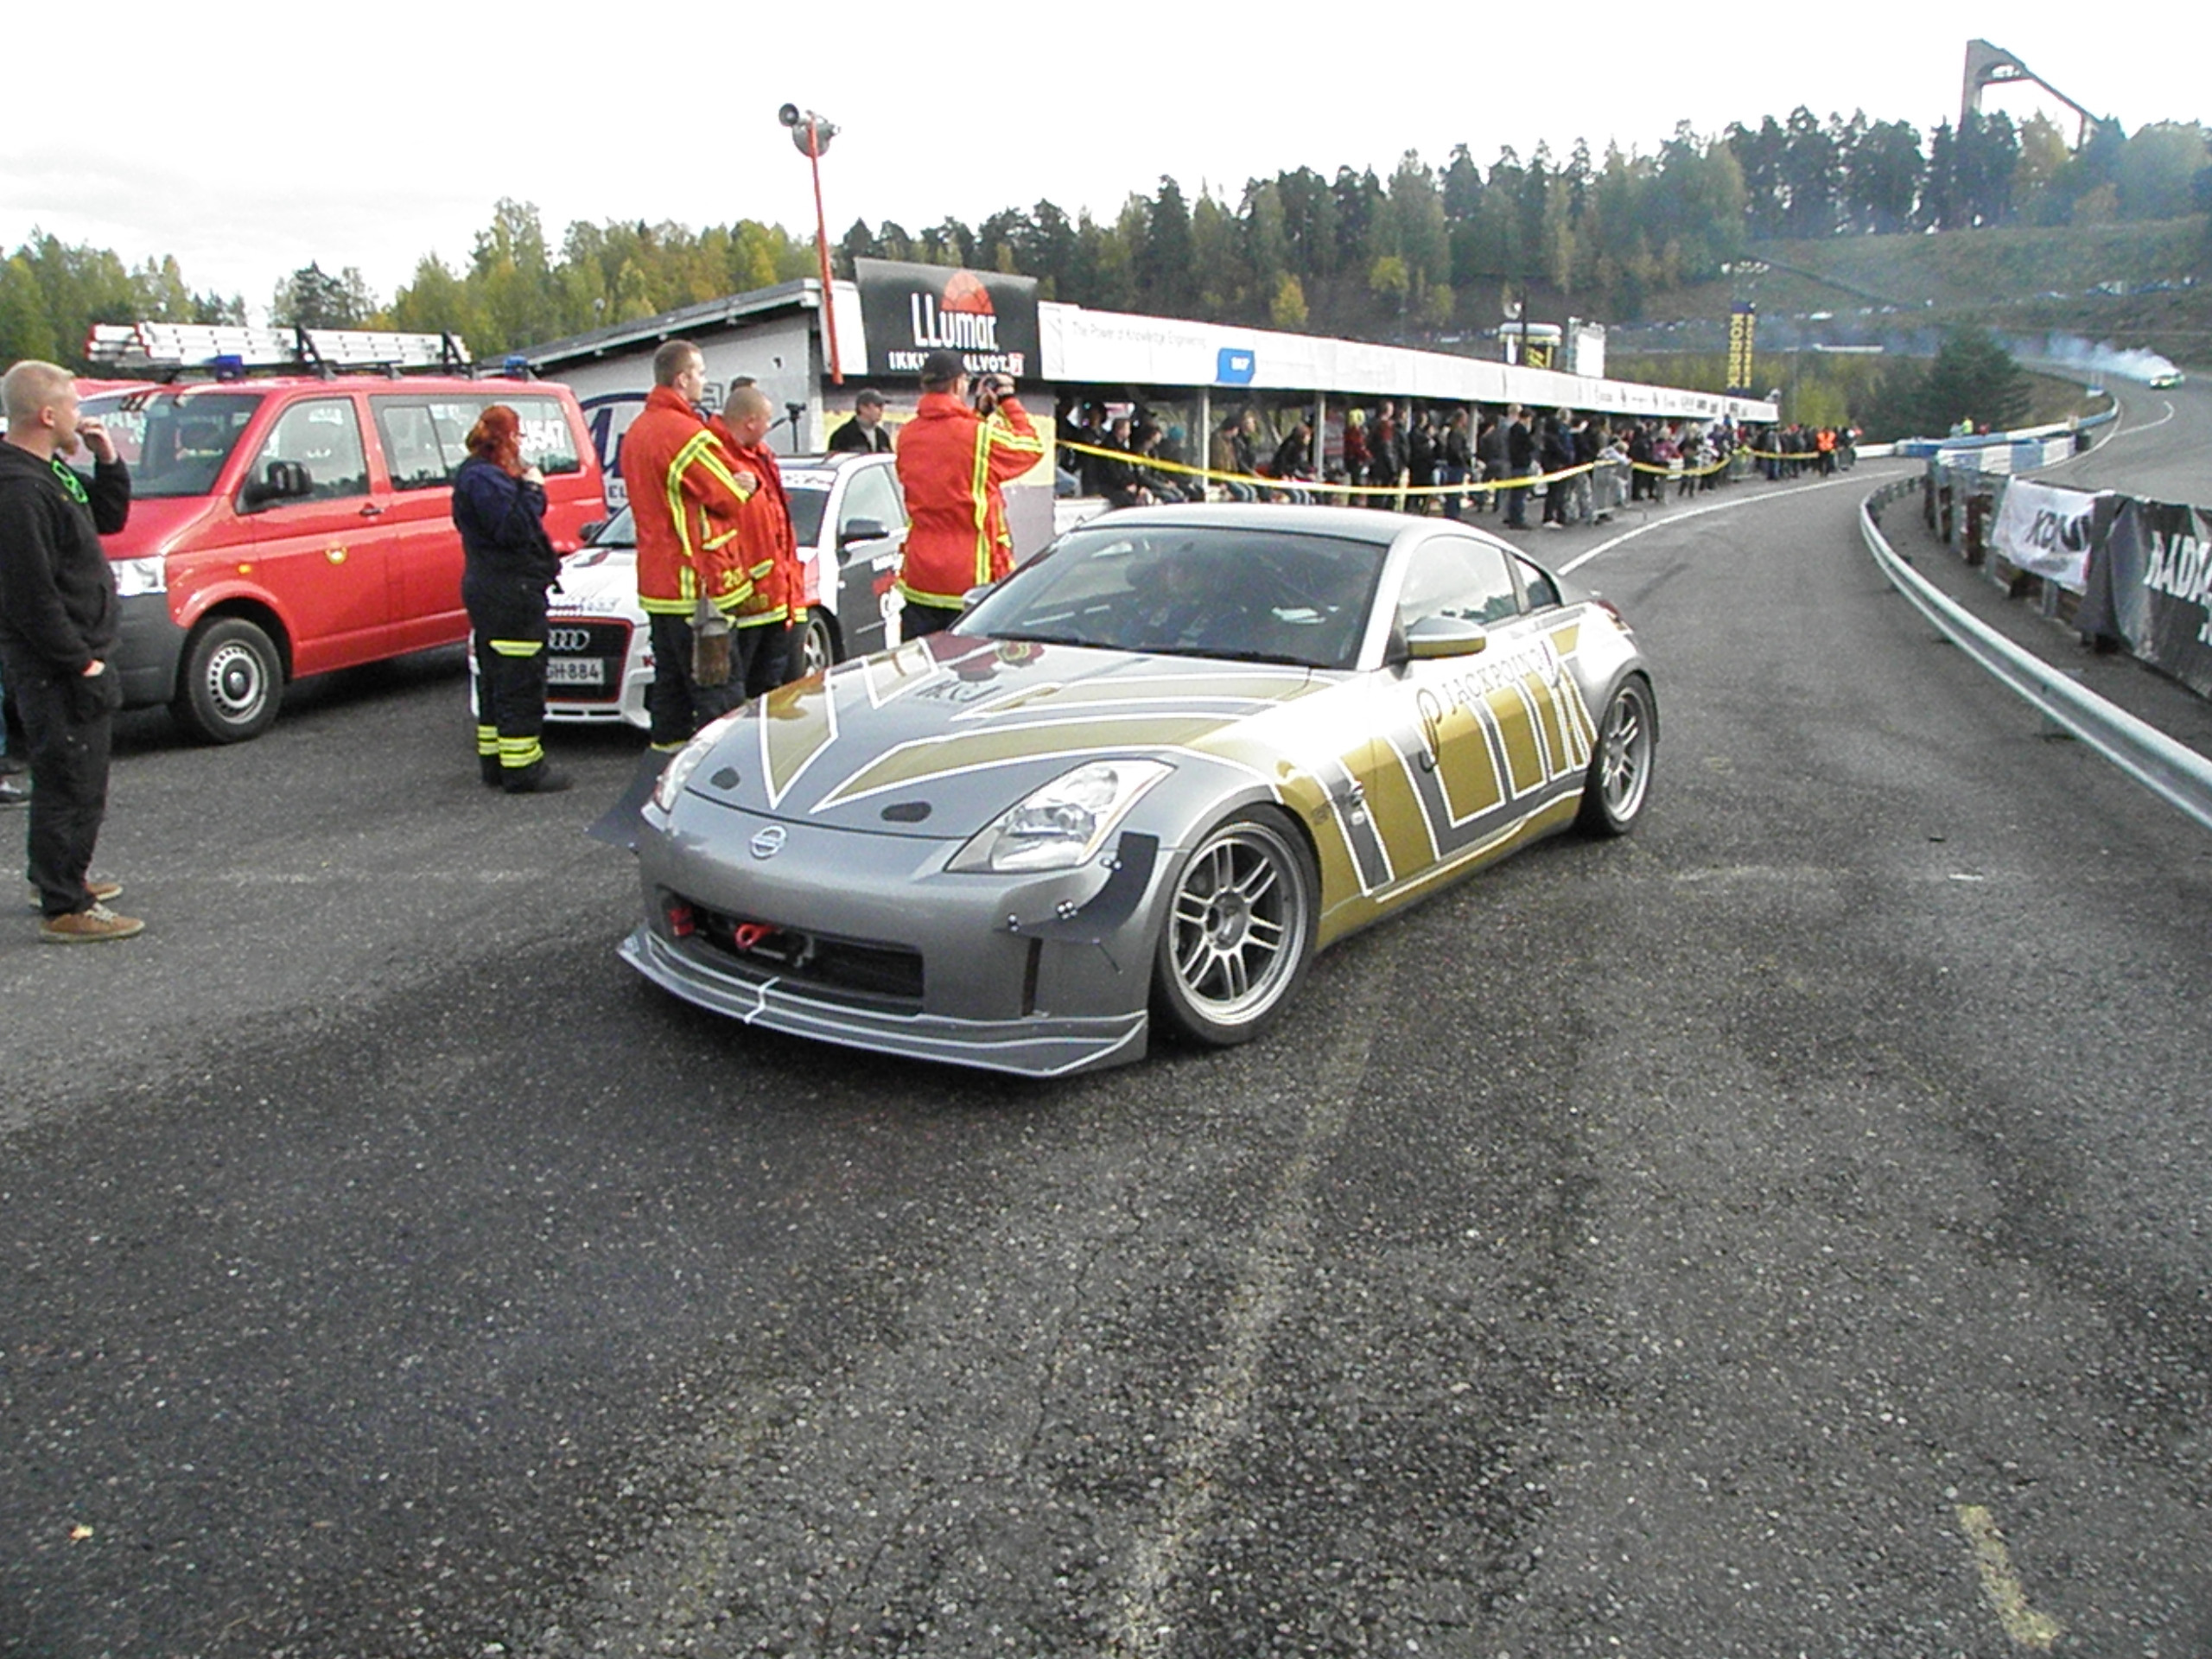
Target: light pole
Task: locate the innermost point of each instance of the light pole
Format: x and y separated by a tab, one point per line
810	135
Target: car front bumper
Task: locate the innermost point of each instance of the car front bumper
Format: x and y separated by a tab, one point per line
870	944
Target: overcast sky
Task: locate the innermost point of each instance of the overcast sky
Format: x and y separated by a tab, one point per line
368	135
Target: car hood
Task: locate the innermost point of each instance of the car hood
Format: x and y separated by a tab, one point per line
598	581
938	737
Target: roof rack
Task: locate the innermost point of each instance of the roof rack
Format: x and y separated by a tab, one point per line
230	351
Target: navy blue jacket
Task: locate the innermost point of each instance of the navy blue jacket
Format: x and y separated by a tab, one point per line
502	524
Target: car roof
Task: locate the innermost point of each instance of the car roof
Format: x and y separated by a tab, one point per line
1352	524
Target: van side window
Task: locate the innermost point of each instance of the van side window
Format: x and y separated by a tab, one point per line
324	435
425	439
411	448
547	440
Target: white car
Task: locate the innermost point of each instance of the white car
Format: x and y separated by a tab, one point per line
850	521
2165	380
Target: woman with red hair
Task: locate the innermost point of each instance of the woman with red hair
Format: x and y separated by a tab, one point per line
499	506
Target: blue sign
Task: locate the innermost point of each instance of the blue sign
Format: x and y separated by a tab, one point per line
1235	367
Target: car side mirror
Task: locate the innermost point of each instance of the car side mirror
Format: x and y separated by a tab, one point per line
860	529
975	596
281	481
1434	638
589	533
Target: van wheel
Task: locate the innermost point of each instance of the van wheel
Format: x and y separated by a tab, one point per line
233	682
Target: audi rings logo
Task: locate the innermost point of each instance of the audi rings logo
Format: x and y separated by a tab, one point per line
567	639
770	842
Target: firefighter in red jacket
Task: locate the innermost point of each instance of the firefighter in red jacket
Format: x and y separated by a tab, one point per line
686	491
954	460
768	547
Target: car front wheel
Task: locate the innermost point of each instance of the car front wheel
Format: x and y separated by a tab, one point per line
1619	779
1239	931
233	682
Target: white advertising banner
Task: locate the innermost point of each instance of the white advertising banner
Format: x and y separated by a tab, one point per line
2047	531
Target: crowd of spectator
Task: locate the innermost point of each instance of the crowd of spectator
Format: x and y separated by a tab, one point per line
1413	458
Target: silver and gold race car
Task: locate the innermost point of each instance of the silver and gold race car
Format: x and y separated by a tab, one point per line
1146	777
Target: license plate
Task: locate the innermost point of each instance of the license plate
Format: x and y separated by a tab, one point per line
576	670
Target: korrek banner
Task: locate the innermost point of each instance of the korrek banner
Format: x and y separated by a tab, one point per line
909	311
2048	530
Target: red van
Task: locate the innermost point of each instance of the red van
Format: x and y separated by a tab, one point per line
289	526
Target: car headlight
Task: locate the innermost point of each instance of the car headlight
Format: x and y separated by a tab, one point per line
1062	824
685	760
136	576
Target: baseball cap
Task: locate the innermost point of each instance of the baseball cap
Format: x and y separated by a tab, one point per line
941	366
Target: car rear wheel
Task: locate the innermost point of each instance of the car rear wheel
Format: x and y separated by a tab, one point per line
1620	779
233	682
818	646
1239	931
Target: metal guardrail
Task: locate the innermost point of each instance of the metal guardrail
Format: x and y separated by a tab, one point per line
2174	772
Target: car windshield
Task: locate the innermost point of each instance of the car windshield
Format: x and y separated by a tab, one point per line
1244	593
174	443
806	521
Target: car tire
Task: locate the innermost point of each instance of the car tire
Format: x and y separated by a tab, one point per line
817	646
1238	931
1618	783
233	682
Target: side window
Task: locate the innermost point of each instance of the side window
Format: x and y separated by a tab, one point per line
873	494
547	438
324	435
1450	576
1543	591
411	447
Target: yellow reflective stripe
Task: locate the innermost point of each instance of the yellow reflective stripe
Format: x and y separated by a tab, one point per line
762	568
756	619
978	487
722	540
1003	434
712	460
488	741
516	752
942	601
517	647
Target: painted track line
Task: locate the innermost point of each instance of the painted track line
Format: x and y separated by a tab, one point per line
1581	559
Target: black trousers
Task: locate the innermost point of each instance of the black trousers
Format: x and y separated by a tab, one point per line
507	617
915	620
679	704
68	721
772	658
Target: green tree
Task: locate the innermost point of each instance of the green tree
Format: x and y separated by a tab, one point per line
2157	167
26	329
1973	379
1287	309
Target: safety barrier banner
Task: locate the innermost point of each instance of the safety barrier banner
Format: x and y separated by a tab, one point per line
2151	585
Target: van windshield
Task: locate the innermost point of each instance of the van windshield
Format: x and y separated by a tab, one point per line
173	442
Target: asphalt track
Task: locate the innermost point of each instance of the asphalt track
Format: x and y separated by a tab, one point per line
1785	1231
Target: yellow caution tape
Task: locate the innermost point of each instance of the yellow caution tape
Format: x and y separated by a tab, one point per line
1152	464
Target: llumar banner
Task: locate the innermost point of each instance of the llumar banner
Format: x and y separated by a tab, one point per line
909	311
2047	531
2150	584
1743	329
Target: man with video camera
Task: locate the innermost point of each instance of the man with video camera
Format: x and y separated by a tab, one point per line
955	459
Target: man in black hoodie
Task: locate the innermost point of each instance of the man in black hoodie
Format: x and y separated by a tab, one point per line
57	624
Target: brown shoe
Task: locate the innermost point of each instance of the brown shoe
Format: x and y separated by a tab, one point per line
87	926
99	887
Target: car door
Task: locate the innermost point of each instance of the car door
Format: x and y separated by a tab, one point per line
322	555
867	565
1472	746
420	431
